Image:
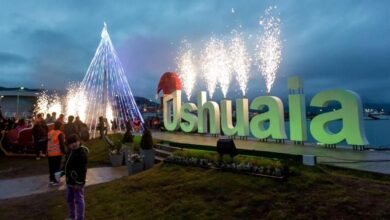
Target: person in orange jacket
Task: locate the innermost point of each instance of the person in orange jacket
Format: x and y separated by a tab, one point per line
55	150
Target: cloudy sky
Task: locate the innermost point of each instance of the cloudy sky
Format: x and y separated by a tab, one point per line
331	44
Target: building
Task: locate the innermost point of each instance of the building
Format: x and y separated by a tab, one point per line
18	102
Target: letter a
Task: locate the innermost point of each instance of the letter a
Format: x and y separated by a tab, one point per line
350	113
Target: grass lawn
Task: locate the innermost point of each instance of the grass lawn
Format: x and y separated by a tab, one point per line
13	167
175	192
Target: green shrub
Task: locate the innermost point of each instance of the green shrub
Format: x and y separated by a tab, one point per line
137	139
128	137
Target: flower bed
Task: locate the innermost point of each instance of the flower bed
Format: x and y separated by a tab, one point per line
240	164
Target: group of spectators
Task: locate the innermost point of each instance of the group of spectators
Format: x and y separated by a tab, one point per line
102	126
12	123
64	139
41	129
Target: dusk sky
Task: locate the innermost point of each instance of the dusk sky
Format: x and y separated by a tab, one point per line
330	44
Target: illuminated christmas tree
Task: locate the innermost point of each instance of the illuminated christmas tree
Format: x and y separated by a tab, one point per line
107	90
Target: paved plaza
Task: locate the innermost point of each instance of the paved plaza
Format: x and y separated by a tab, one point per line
18	187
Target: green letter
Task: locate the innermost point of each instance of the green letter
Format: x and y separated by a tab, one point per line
275	116
297	110
242	118
191	123
171	110
213	109
350	113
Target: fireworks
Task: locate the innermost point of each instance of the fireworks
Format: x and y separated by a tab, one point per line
186	69
46	104
55	104
240	61
109	114
42	103
269	53
76	101
216	66
218	63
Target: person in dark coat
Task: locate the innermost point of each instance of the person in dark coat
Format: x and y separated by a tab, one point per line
70	127
61	119
78	123
53	117
39	132
75	170
82	128
48	118
102	127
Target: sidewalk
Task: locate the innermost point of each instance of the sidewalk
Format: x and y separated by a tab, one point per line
18	187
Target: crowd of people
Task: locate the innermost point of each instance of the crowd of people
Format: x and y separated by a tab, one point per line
136	125
40	130
63	140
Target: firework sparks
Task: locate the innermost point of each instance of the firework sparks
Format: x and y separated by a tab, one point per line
76	101
186	69
269	53
216	66
55	104
41	104
109	115
240	61
47	104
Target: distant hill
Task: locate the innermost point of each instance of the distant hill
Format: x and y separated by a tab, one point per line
18	88
385	107
142	101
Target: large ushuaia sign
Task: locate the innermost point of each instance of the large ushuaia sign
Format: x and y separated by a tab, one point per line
216	118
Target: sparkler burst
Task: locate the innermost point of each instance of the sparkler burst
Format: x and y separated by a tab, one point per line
46	104
76	101
55	104
186	68
215	65
269	48
240	61
41	106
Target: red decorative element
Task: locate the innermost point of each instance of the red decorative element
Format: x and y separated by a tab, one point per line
22	140
169	82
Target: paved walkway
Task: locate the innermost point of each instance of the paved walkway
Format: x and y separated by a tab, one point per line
373	161
17	187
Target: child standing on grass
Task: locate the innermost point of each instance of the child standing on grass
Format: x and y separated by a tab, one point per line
75	170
